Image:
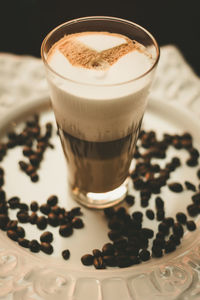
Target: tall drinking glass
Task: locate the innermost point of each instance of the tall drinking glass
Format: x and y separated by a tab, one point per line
99	71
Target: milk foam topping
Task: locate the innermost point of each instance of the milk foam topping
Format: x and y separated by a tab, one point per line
90	102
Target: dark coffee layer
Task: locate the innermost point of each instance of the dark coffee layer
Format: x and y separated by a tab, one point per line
98	167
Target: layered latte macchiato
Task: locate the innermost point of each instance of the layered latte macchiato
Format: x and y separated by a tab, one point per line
98	104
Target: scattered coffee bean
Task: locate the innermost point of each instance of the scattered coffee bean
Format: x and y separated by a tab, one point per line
170	246
196	198
45	209
144	255
178	229
123	261
46	248
175	239
138	216
20	232
114	234
147	233
34	246
157	251
160	214
76	211
150	214
159	203
169	221
181	218
192	162
23	242
130	200
163	227
198	174
4	219
34	206
190	186
41	223
87	259
66	230
12	235
191	226
52	200
77	223
34	177
175	187
33	218
99	263
108	249
23	217
12	224
66	255
46	237
14	202
193	210
110	260
53	220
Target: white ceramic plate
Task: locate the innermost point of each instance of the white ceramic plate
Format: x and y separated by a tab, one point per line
25	275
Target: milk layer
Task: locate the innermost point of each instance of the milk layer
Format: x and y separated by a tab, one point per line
97	97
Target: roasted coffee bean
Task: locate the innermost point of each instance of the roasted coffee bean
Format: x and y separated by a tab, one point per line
87	259
56	210
169	221
45	209
66	254
34	246
147	233
23	165
138	216
27	151
138	184
23	242
175	239
160	235
130	200
132	250
196	198
144	203
178	229
190	186
76	211
52	200
53	220
12	235
145	194
163	227
114	234
160	214
192	162
20	232
46	237
23	206
194	153
30	170
33	218
114	224
193	210
120	212
109	212
4	219
34	177
135	260
12	224
159	242
96	252
123	261
77	223
191	226
181	218
34	160
108	249
157	251
1	171
3	208
23	217
66	230
110	260
198	174
170	246
175	187
99	263
121	243
46	248
34	206
150	214
159	203
144	255
41	223
14	202
2	195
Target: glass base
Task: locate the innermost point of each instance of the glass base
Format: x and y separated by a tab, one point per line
102	200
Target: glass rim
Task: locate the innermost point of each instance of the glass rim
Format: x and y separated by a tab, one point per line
77	20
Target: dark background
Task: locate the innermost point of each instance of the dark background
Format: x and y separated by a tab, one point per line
24	23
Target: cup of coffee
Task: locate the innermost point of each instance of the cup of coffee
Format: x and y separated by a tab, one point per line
99	71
